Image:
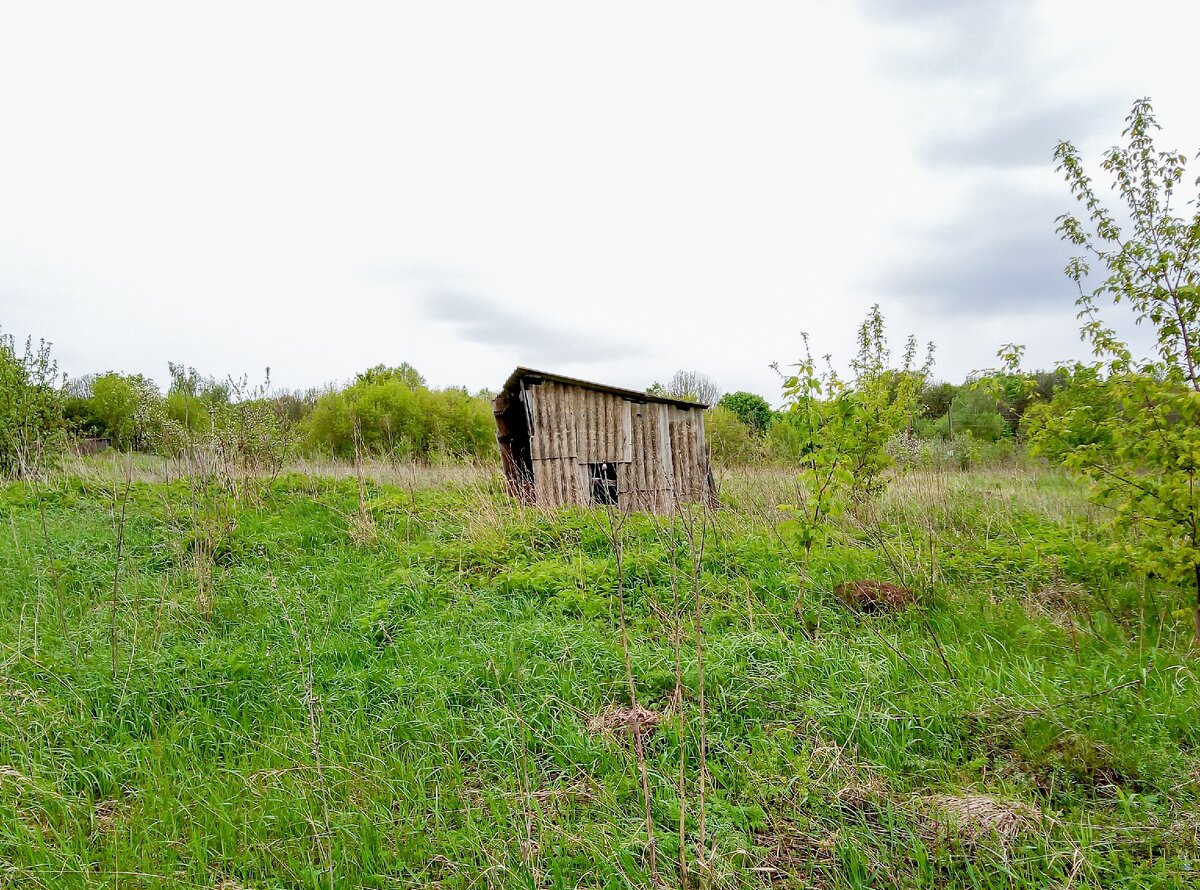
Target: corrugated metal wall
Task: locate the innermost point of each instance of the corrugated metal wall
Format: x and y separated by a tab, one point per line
659	449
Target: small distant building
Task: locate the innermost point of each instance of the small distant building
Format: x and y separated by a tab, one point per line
94	445
568	441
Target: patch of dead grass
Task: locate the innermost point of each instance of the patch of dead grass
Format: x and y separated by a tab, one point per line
624	721
976	817
871	596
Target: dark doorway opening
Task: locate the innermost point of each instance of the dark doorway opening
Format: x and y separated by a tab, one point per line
512	433
604	484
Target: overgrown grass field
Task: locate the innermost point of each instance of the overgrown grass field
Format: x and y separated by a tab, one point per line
360	683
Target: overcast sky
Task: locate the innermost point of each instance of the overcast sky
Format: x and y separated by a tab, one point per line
612	191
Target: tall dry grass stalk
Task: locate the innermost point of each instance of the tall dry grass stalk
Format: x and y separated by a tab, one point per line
118	521
364	529
409	474
304	658
695	530
615	530
677	646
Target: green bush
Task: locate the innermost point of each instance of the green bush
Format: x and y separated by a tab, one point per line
192	400
121	407
974	411
752	410
786	439
392	412
730	441
32	427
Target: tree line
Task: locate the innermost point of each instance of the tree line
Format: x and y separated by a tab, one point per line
384	409
962	422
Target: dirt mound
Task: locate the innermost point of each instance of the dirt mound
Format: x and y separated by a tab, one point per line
874	596
622	720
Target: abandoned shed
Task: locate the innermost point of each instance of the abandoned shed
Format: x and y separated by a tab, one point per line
568	441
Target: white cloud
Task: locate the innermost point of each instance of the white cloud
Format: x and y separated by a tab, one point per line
696	184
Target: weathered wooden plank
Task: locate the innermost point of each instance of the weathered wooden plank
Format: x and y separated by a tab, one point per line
626	443
663	443
533	413
557	481
687	451
658	448
602	428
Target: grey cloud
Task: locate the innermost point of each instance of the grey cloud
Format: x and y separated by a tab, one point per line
480	320
908	10
996	116
1003	256
1022	138
454	297
965	40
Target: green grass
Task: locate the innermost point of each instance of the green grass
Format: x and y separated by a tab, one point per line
454	648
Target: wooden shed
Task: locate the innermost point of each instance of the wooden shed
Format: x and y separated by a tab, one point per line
568	441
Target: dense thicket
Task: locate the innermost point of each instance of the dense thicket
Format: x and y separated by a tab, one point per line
31	420
390	410
385	410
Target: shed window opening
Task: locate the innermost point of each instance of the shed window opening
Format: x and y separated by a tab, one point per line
604	484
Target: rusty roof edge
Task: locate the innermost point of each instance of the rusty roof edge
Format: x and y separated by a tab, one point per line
636	395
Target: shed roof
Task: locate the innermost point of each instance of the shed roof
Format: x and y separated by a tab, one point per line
636	395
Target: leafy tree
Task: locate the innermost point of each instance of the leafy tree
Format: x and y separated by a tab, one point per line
935	399
78	410
32	427
1133	426
786	438
193	399
974	411
296	405
730	441
404	372
121	405
843	426
1080	417
752	410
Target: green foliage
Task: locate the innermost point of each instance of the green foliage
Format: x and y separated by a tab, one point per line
32	427
786	438
383	715
192	400
843	428
125	408
1133	426
391	412
949	410
296	405
1138	438
974	412
404	373
752	410
252	434
935	399
730	441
